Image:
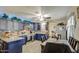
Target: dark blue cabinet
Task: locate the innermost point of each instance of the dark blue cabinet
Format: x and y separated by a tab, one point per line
41	36
16	46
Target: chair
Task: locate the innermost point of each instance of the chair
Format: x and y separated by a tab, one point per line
77	46
70	40
73	42
3	47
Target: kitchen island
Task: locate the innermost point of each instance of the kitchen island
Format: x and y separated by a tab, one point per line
13	44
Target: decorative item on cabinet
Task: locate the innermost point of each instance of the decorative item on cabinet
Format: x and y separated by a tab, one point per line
5	16
13	18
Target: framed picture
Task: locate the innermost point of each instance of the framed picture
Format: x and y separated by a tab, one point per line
78	12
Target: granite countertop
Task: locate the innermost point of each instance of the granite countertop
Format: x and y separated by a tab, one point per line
12	39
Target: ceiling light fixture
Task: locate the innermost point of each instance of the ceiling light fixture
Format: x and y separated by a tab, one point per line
42	17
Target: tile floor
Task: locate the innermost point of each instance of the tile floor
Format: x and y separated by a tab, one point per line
32	47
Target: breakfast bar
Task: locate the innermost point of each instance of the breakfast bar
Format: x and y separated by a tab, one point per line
14	45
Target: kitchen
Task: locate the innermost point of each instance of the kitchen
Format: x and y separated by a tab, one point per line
28	29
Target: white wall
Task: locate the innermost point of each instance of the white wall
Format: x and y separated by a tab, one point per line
77	30
52	24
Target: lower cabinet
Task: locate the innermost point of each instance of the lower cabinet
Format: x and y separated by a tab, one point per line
41	37
16	46
12	47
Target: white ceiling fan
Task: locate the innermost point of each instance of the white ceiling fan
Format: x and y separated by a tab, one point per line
41	17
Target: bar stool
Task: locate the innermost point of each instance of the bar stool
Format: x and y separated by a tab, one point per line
70	40
77	47
3	46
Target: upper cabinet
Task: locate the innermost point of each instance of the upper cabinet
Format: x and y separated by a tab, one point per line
10	26
16	25
3	25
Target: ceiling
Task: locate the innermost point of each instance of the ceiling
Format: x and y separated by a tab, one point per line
55	12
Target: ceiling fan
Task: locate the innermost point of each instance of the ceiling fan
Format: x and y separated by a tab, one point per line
41	17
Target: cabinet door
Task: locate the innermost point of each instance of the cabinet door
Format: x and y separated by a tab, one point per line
3	25
14	47
16	26
0	24
9	25
20	26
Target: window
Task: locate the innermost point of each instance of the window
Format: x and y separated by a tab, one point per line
43	26
71	27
